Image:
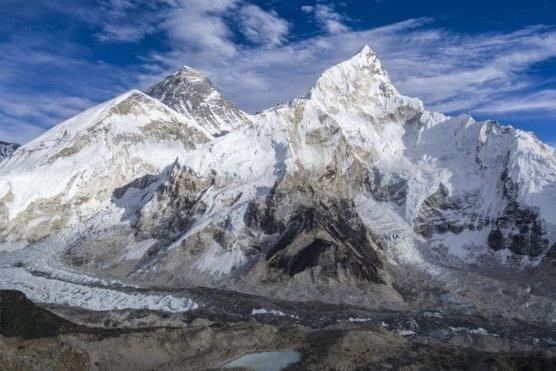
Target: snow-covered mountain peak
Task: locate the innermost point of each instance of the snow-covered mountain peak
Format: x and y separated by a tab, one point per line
120	117
190	74
193	94
363	71
320	192
361	84
89	155
366	58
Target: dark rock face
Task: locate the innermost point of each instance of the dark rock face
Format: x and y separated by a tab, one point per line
179	203
441	213
386	187
518	228
21	317
139	183
329	236
7	149
192	94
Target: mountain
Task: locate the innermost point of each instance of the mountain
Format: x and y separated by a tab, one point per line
78	163
353	194
7	149
192	94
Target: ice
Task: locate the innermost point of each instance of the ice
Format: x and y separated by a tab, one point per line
52	291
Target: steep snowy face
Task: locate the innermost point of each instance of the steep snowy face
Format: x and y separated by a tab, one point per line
192	94
474	185
352	82
7	149
358	95
361	85
82	160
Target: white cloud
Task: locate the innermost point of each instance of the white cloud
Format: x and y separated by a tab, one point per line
451	72
45	80
331	21
263	27
200	25
544	100
125	20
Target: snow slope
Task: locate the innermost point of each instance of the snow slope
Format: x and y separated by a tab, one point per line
84	159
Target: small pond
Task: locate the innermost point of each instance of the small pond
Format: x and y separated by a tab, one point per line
266	361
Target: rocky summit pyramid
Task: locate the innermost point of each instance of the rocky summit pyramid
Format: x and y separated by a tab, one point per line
354	194
192	94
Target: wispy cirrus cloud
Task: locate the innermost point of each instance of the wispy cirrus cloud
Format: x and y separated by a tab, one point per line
263	27
327	17
120	20
544	100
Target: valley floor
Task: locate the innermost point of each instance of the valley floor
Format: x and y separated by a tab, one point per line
324	337
102	325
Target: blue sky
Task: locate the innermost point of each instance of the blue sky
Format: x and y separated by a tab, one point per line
492	59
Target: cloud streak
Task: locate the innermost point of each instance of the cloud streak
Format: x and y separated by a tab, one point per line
328	19
263	27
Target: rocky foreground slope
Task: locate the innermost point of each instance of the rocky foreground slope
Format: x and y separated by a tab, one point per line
34	338
353	194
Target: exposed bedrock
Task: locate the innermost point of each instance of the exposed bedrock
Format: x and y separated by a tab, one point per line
327	239
441	213
386	186
308	231
518	228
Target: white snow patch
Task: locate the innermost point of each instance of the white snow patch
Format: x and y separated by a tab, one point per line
273	312
218	261
137	250
478	331
357	319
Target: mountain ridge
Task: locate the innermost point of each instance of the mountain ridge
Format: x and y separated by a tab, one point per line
344	194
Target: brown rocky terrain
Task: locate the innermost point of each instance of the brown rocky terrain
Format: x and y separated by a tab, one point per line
33	338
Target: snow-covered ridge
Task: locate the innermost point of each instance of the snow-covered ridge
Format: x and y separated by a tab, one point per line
96	151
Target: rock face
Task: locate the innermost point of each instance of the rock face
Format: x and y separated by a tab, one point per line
22	318
7	149
334	191
518	228
192	94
